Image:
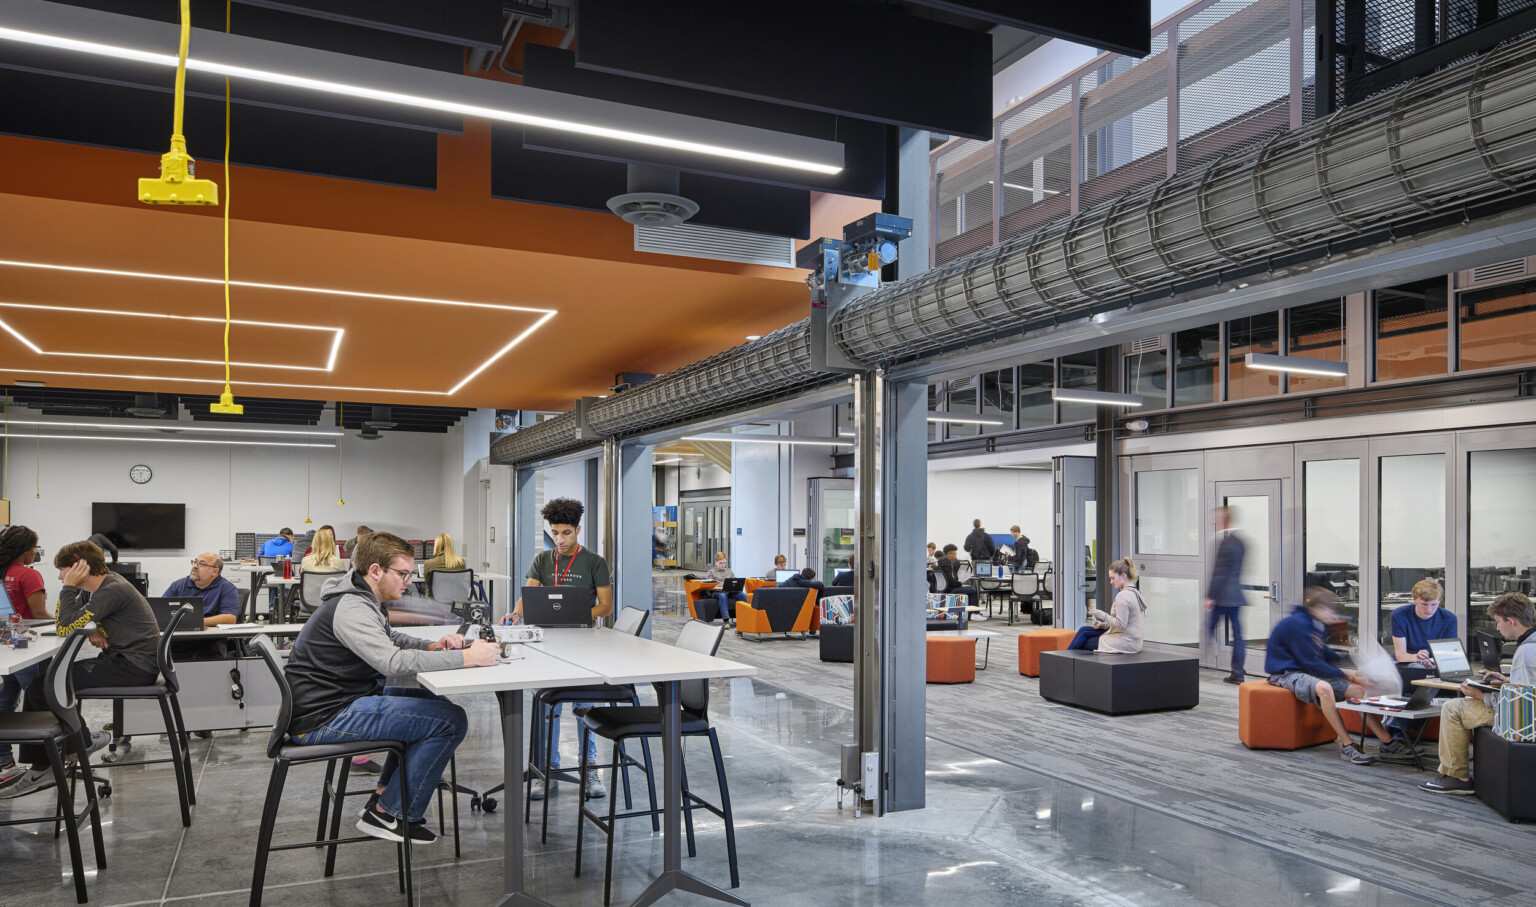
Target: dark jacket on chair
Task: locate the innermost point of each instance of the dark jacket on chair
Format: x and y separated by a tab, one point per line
948	573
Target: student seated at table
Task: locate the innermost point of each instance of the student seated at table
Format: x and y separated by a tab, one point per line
780	562
337	670
23	591
126	634
1298	660
1515	618
322	554
1119	632
1415	624
282	546
335	545
717	574
221	600
443	557
844	577
948	576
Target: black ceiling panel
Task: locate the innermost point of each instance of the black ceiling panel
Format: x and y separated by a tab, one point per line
569	181
476	23
553	69
112	116
1118	25
305	31
834	56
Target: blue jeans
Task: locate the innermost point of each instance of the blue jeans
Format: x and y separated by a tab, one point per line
725	598
1087	638
1235	625
10	694
431	727
540	747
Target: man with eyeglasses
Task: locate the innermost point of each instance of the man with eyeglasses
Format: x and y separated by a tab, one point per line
221	600
337	670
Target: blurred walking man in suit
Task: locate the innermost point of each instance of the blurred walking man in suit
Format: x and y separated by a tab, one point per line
1224	595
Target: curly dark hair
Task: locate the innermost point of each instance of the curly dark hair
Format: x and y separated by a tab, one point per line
14	542
563	512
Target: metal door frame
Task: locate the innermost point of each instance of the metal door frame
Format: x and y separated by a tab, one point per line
1069	583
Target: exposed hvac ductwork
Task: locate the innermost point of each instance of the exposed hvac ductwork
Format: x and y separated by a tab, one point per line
1461	137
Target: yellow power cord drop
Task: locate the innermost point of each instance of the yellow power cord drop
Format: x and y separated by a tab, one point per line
176	185
226	402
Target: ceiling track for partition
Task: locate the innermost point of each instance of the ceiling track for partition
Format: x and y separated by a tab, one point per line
1456	142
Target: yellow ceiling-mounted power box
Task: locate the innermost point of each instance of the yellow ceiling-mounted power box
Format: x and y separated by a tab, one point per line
176	184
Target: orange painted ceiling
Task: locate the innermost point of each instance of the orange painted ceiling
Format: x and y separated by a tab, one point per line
416	289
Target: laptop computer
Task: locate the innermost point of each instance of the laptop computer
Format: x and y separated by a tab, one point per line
780	577
983	569
558	606
733	584
1451	661
165	607
1490	649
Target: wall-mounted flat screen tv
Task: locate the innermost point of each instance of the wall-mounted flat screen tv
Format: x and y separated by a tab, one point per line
141	526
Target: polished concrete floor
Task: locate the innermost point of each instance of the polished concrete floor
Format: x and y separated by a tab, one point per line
992	834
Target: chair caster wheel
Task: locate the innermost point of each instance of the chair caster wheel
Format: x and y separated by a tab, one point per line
104	790
474	804
488	804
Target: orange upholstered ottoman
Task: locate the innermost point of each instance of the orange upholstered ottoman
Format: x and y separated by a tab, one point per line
951	659
1033	643
1354	722
1272	718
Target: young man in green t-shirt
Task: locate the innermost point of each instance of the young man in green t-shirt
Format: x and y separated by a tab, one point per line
569	564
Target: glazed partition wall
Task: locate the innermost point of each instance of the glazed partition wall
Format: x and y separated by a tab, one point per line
1497	481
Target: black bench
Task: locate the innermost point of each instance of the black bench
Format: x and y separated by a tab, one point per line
1505	774
837	642
1120	684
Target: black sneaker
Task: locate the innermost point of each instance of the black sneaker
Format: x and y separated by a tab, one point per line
1445	784
421	834
381	825
370	806
1234	678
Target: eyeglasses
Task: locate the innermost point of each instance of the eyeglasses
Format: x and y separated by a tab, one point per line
208	566
406	575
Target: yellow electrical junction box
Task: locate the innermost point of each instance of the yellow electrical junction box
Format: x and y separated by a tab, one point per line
176	185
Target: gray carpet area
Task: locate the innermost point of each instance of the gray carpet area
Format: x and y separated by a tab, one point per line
1368	821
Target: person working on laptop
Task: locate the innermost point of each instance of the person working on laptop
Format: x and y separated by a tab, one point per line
126	634
719	573
1299	661
338	668
569	564
205	580
780	562
1515	618
1414	625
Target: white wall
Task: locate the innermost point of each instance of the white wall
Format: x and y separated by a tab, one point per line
388	485
759	502
702	478
568	480
807	462
998	497
1413	511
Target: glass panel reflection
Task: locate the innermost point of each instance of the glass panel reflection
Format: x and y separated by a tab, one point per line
1412	521
1315	332
1080	370
1501	543
1411	329
1331	533
1174	610
1168	511
1197	353
1259	334
1498	325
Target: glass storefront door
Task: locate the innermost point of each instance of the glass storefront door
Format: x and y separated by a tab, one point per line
1255	510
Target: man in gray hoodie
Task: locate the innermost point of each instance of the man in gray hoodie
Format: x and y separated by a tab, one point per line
338	668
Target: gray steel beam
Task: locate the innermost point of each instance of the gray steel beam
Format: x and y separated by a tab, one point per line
525	529
631	561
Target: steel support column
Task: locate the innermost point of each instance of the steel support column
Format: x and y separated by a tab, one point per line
632	499
592	496
1104	481
525	530
890	649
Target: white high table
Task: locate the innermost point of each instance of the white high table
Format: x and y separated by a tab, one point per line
37	651
572	657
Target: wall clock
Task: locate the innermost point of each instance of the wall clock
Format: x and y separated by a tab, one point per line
141	474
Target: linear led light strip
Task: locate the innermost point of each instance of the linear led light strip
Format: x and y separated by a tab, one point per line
174	426
1296	364
41	436
329	365
769	439
545	315
408	100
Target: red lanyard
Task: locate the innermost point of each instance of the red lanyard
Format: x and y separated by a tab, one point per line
560	577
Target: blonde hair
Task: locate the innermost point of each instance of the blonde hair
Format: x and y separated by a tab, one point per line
780	559
1125	568
323	546
1427	590
444	546
720	556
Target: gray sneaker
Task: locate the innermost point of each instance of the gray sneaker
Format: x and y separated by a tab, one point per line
1445	784
29	783
1397	751
1351	754
537	790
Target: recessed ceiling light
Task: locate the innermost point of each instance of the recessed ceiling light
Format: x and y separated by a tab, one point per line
23	383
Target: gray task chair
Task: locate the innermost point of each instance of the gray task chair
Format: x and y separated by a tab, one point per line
449	586
310	584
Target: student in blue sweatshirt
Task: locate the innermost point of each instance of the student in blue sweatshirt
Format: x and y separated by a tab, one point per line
1297	660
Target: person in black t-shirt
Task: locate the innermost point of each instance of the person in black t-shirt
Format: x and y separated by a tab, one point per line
569	564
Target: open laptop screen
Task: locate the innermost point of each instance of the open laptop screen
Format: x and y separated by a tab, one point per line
782	576
1450	657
